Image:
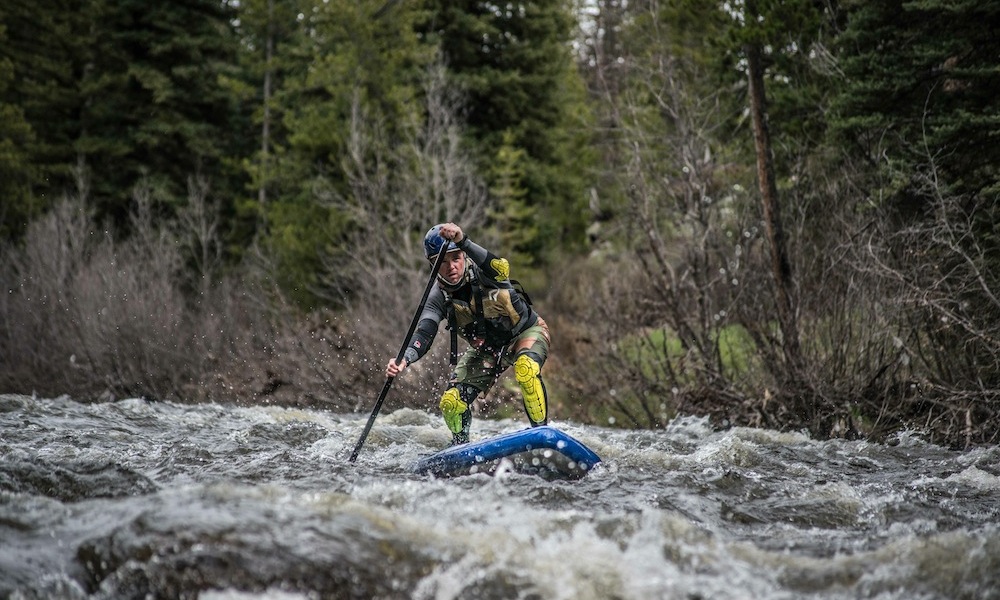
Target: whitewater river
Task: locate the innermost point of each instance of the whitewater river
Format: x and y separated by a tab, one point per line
137	499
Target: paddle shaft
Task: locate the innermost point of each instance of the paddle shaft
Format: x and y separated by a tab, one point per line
399	356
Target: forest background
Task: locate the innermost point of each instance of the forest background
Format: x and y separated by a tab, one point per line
777	213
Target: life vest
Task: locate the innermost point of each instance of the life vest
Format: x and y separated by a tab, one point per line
489	318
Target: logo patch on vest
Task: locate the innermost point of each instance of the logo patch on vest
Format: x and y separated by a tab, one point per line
502	268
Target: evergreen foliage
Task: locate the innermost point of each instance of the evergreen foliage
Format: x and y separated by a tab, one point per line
41	54
15	164
267	30
346	58
514	63
515	221
920	86
152	102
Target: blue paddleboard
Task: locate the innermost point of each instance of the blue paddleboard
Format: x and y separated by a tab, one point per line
544	451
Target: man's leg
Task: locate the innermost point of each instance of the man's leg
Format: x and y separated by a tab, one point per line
473	375
530	351
456	405
527	371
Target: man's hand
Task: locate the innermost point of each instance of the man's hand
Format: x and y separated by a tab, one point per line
394	368
450	231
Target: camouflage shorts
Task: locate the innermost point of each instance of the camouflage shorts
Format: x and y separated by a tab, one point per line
478	368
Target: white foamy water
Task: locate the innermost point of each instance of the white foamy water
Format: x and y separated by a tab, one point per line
136	499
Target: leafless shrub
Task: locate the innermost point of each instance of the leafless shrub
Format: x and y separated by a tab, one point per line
664	303
846	341
94	316
198	232
940	301
38	329
91	313
397	191
897	311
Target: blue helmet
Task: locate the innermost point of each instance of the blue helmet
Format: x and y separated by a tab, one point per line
433	242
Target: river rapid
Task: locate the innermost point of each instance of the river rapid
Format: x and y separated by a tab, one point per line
138	499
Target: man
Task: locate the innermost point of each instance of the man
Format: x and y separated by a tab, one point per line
474	292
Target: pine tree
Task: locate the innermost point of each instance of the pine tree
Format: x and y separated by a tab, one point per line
267	30
921	83
350	55
153	102
43	54
346	59
514	62
16	173
515	221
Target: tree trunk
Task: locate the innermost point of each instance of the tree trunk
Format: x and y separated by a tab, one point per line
780	266
265	128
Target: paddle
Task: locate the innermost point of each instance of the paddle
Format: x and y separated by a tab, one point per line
399	356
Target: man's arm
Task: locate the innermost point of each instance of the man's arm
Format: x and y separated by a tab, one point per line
421	341
423	335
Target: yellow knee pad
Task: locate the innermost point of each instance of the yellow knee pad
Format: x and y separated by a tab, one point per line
526	371
452	408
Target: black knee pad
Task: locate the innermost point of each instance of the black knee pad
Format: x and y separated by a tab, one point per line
467	392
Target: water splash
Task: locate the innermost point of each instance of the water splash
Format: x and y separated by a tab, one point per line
135	499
